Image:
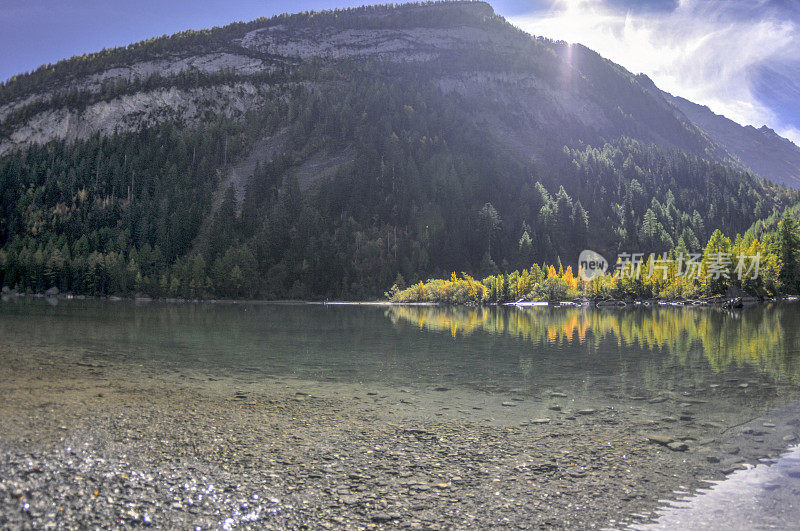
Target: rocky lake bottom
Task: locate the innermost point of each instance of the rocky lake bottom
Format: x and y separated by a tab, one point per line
88	445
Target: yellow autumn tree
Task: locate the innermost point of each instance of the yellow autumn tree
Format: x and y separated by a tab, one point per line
569	279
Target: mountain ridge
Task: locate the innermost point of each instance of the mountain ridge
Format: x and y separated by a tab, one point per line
265	46
760	149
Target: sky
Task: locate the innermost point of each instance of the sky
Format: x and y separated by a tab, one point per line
739	57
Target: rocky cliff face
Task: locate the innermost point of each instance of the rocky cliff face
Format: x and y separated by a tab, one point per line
555	92
134	111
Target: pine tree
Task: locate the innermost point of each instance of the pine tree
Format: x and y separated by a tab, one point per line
717	268
489	220
789	239
525	248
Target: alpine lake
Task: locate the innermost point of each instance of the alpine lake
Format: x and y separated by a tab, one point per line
278	415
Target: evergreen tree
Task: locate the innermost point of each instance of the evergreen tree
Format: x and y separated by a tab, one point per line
789	239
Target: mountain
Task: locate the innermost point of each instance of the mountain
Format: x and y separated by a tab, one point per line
550	85
761	150
331	154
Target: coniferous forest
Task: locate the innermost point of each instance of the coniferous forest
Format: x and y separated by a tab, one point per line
421	196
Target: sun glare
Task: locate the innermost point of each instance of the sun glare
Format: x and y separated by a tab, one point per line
696	51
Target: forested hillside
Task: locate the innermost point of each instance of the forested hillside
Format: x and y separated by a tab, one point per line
339	175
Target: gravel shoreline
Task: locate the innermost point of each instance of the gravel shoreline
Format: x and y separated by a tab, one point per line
89	444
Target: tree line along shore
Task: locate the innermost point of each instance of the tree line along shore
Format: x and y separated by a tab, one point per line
763	266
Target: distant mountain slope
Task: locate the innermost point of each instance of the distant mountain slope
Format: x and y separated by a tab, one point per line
324	154
762	150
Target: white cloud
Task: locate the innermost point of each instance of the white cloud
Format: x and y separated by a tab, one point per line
704	51
792	133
